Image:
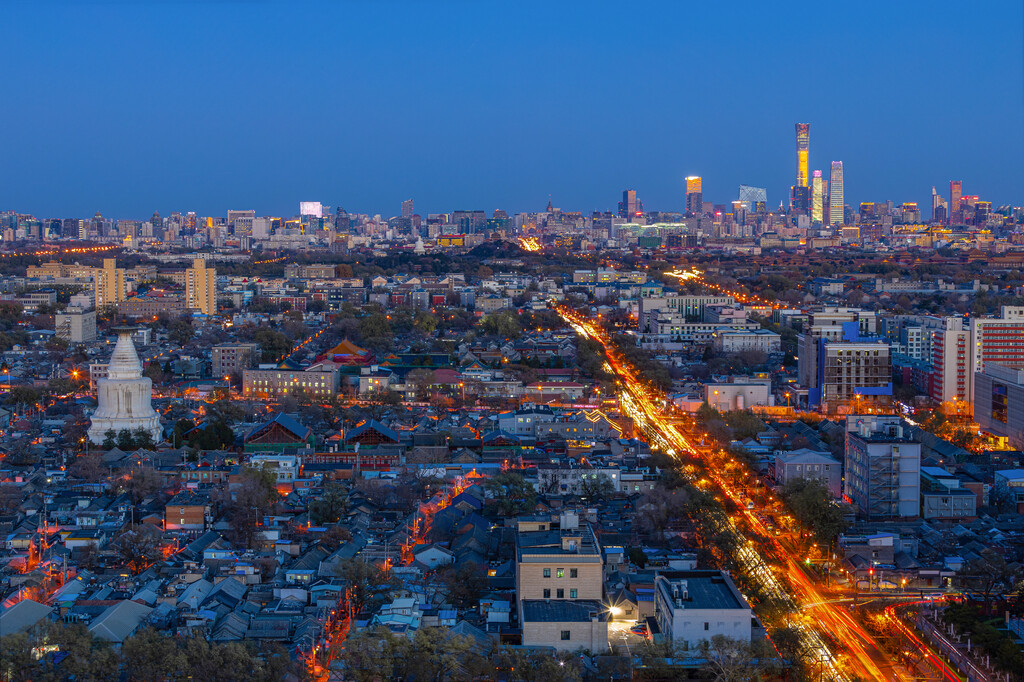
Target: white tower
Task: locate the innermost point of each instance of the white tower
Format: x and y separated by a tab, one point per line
125	396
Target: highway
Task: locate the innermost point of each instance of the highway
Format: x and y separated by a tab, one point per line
771	565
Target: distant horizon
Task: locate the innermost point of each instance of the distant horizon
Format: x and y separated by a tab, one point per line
772	207
129	107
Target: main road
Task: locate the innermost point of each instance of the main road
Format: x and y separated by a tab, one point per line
857	654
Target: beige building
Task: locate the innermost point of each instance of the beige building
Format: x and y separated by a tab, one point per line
565	625
201	288
109	283
322	380
558	559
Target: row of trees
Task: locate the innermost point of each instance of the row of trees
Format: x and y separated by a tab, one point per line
438	654
146	656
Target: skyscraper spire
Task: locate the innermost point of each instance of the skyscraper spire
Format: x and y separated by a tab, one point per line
803	146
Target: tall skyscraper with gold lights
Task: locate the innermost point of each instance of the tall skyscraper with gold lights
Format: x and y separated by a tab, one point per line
803	148
817	197
694	196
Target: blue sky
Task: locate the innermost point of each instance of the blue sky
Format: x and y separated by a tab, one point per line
127	107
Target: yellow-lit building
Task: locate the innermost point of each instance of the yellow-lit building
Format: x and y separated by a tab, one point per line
109	284
451	240
201	288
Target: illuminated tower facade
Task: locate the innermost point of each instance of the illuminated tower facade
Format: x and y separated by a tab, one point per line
835	194
694	196
803	147
817	197
956	188
201	288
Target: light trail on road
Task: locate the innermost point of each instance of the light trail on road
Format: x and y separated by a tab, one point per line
859	648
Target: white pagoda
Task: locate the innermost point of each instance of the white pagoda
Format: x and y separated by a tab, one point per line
125	396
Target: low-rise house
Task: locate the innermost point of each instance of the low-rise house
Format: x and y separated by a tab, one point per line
566	625
807	463
694	606
188	511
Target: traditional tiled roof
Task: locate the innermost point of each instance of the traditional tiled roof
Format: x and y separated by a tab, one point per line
372	425
298	430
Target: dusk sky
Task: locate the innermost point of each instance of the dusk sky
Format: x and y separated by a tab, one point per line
127	108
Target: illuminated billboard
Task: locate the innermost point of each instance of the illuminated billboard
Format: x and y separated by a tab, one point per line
311	208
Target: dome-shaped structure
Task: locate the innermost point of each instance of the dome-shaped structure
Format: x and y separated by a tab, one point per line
125	396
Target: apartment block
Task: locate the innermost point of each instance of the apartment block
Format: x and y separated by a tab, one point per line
233	357
201	288
109	284
883	467
76	325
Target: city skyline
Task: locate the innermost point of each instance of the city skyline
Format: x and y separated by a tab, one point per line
202	119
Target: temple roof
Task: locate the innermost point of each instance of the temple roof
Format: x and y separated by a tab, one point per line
300	431
346	347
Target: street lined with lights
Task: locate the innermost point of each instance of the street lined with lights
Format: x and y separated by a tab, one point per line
809	611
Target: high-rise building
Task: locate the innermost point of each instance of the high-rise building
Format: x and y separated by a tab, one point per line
754	198
311	209
803	147
629	206
73	228
109	283
938	207
76	325
694	196
882	468
951	376
817	197
201	288
407	209
956	188
911	213
836	202
999	403
839	356
998	339
982	210
800	200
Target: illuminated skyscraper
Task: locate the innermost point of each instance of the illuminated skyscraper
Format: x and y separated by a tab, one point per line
939	212
694	196
629	206
955	192
754	198
835	194
803	146
817	197
407	208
